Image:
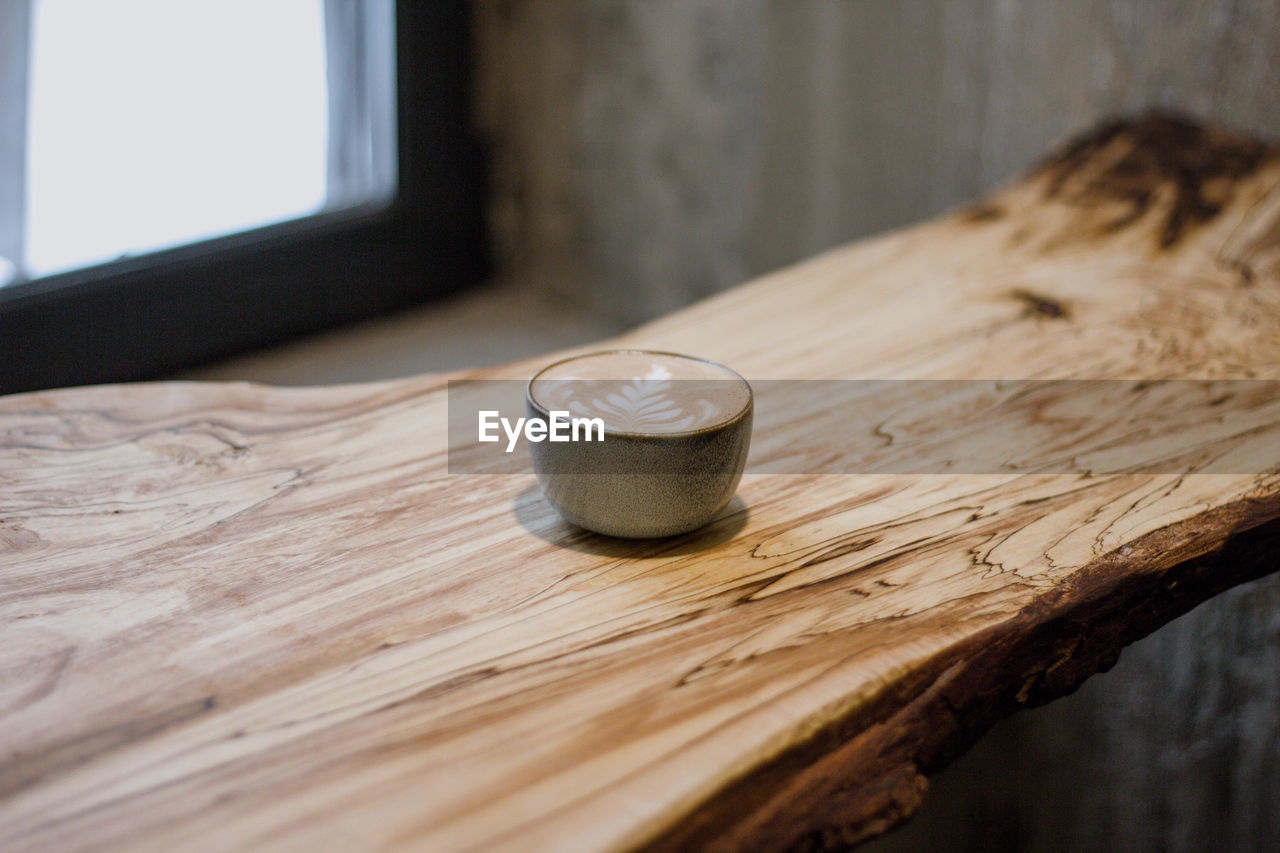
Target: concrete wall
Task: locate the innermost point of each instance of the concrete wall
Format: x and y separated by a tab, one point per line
648	152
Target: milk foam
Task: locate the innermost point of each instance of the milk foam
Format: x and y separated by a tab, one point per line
643	392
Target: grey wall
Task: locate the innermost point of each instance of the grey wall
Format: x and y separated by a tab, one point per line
648	153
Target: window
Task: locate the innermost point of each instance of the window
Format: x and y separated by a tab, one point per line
185	180
184	144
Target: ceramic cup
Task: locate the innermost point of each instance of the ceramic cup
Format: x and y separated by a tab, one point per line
668	439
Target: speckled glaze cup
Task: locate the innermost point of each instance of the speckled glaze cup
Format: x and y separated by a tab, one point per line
676	431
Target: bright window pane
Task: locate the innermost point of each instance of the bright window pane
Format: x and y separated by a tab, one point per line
158	122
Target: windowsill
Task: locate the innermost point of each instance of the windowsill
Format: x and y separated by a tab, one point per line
498	322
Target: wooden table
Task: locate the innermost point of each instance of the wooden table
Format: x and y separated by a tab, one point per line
238	617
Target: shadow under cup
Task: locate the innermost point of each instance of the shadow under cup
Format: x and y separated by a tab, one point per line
659	443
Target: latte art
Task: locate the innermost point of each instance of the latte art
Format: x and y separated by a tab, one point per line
642	392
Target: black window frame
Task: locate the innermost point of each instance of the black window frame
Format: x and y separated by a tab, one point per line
145	317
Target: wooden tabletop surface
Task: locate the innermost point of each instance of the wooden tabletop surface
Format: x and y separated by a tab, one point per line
238	617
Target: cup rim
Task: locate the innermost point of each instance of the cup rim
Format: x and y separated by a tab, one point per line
747	407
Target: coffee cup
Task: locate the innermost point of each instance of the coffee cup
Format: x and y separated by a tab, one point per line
651	443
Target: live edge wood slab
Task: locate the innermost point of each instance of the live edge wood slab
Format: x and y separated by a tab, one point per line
237	617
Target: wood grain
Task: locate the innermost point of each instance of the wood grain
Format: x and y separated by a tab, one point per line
237	616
